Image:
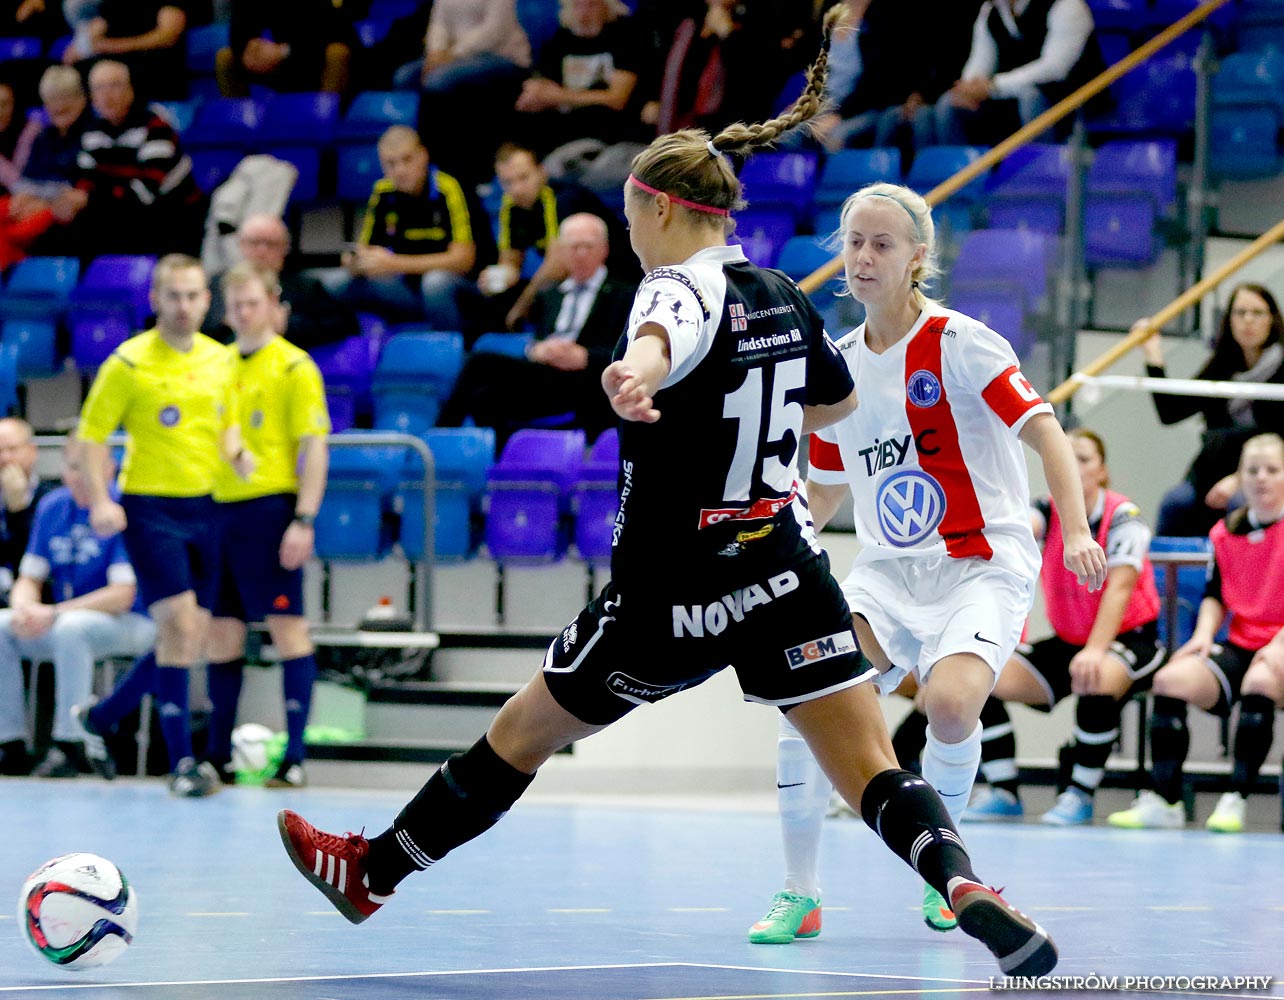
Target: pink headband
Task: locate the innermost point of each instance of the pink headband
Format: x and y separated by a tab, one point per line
676	200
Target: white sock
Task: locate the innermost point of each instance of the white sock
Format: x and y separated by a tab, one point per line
802	796
950	768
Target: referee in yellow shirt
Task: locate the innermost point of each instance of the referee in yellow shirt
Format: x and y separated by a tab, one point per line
267	519
173	391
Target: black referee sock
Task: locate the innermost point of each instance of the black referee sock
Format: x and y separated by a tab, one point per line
1169	744
1253	736
463	799
909	740
907	813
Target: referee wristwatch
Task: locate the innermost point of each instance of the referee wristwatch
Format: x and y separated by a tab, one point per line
307	520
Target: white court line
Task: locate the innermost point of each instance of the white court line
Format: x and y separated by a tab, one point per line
348	977
820	972
229	913
699	909
582	909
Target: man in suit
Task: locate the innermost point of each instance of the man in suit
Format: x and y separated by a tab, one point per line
20	490
577	325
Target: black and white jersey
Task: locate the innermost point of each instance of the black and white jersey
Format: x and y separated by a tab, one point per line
710	492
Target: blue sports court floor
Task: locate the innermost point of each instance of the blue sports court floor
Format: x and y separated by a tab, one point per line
611	903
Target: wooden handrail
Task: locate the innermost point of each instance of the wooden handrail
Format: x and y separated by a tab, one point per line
1140	334
1037	125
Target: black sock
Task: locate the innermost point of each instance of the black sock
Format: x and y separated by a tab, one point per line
1253	736
1096	727
1169	744
909	740
998	747
907	813
463	799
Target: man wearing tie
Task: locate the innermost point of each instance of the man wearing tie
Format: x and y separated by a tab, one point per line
577	324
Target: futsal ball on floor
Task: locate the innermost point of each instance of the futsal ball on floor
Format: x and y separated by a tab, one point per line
256	751
78	911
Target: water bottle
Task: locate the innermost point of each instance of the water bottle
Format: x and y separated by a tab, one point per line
384	617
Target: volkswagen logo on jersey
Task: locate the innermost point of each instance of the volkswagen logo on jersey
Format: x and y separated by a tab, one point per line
169	416
923	389
910	505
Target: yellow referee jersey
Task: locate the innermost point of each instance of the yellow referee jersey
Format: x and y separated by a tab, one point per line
281	400
173	406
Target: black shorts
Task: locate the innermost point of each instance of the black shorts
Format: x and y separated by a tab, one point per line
252	582
1049	661
1229	663
789	639
173	544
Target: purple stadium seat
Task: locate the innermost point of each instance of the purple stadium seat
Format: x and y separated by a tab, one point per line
1028	189
763	234
780	181
109	305
1148	166
1126	15
596	499
1001	311
227	122
1007	259
1156	98
529	494
13	49
95	335
211	167
347	366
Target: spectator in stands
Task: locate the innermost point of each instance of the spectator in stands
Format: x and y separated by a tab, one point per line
23	219
416	248
92	614
530	211
15	139
1245	584
145	35
888	101
27	18
585	81
21	488
311	316
1104	649
285	45
1249	348
141	195
730	62
475	58
577	326
51	168
1026	56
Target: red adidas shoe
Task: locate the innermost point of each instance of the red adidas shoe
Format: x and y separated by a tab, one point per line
1022	947
335	865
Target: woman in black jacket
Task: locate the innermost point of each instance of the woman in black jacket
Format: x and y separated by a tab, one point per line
1249	348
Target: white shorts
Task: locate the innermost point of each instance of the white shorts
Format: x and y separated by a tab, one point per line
923	610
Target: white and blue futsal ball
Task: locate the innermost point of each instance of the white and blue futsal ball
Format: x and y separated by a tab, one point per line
78	911
250	747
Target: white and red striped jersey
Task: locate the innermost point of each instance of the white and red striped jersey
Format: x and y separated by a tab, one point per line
931	452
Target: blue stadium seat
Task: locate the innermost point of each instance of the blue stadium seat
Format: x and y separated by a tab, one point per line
512	345
13	49
849	170
211	167
308	119
1190	586
414	376
763	233
1244	143
1149	166
1156	98
1119	230
36	343
342	407
800	256
203	43
936	164
358	170
181	114
373	111
392	9
307	161
780	181
227	123
8	379
351	524
39	287
528	495
462	456
372	31
538	19
1126	15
